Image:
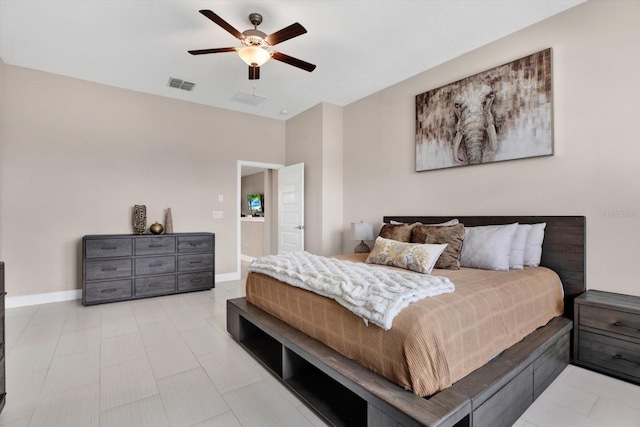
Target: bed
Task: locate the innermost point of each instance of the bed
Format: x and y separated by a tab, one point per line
344	392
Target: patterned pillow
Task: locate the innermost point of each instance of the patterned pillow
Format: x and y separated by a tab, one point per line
411	256
452	235
442	224
399	232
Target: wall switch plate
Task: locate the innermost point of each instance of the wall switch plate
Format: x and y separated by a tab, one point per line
220	198
218	214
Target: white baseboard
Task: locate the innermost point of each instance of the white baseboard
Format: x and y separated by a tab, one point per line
247	258
227	277
35	299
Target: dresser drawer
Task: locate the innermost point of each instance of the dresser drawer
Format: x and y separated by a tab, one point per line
107	291
103	248
155	285
107	269
194	281
3	383
195	243
607	319
155	265
2	336
195	262
155	245
610	353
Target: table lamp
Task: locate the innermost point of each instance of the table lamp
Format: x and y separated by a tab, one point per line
361	231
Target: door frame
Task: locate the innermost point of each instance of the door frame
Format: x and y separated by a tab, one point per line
240	164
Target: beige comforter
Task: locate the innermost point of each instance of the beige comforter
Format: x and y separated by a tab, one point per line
433	342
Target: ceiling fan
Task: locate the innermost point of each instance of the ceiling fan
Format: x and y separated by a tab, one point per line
255	44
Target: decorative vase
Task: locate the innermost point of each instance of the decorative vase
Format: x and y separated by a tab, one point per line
168	222
156	228
139	219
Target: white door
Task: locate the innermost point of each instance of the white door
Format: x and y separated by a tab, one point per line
291	208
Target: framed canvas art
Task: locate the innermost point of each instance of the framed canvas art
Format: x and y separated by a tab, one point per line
500	114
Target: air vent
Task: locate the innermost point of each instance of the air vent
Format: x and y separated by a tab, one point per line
181	84
248	98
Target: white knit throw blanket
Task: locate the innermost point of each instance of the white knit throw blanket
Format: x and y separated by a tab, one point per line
375	294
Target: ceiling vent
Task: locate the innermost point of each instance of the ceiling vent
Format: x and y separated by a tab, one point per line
248	98
181	84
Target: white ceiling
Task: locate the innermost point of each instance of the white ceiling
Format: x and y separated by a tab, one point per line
359	47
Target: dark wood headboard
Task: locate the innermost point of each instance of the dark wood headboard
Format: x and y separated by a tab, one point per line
563	249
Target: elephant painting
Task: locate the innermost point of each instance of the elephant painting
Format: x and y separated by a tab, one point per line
500	114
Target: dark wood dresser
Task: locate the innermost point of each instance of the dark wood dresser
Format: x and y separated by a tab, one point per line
607	334
3	381
119	267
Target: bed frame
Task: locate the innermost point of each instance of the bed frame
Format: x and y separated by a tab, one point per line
344	393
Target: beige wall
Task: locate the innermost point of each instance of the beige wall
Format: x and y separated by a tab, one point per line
332	179
1	144
253	237
595	169
314	138
304	145
79	155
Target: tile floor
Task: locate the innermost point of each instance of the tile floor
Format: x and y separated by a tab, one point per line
168	361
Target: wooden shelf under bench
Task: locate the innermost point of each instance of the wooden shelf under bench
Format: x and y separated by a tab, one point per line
607	334
119	267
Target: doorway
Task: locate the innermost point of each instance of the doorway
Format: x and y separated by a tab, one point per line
256	228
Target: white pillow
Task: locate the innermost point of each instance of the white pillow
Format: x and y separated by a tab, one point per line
488	246
533	248
443	224
516	260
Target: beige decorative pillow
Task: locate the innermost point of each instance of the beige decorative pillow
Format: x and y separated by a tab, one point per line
452	235
399	232
411	256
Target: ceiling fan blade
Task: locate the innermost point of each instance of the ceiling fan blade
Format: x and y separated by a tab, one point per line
218	50
221	22
254	73
293	61
293	30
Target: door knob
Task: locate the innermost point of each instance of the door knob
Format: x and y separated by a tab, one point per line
300	227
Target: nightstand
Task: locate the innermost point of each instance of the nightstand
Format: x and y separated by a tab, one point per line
607	334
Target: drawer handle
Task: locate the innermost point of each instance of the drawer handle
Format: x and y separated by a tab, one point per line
196	280
195	244
109	291
156	264
618	356
195	262
109	268
627	325
156	285
108	248
156	246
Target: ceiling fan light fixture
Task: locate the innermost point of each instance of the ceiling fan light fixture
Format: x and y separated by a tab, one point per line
254	56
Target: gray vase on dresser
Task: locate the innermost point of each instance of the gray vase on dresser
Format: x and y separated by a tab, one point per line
120	267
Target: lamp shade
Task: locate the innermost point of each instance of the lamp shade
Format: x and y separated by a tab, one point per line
254	56
361	231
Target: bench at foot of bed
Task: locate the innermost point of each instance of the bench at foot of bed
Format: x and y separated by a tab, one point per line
345	393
